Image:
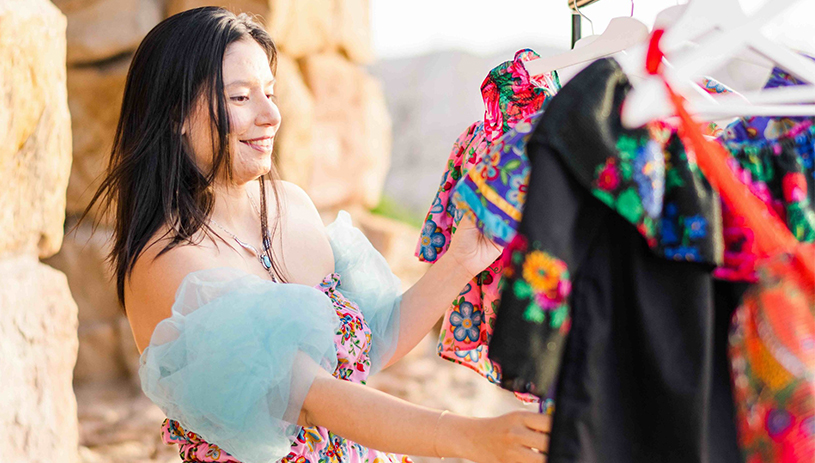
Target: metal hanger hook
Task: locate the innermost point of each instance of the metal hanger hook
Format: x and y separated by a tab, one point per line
574	3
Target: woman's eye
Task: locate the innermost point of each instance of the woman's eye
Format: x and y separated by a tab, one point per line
272	97
240	98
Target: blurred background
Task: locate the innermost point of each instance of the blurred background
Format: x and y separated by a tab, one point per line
372	92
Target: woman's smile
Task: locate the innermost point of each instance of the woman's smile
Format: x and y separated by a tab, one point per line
263	144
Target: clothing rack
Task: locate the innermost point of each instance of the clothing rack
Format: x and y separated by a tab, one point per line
576	25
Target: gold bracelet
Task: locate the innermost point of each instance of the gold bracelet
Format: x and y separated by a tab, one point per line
435	434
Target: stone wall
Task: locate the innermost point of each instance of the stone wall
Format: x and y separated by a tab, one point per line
38	340
334	140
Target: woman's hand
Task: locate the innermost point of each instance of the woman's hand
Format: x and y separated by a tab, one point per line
471	249
517	437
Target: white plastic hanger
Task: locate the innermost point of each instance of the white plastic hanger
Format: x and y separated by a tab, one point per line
620	34
649	100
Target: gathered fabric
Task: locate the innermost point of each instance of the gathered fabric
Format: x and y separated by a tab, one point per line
511	96
233	364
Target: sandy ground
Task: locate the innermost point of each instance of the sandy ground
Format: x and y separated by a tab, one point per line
119	424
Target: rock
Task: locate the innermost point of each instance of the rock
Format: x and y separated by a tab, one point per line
351	141
101	29
104	352
100	357
302	27
38	349
82	259
95	97
258	7
354	30
35	130
129	352
293	153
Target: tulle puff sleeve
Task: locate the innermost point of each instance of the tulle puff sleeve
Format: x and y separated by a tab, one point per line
366	279
237	357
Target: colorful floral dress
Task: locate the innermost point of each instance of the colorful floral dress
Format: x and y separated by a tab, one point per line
313	444
510	96
775	157
237	358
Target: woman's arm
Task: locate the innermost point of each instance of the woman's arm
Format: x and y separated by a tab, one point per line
427	300
378	420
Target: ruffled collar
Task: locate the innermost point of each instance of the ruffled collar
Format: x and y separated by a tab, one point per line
511	94
645	175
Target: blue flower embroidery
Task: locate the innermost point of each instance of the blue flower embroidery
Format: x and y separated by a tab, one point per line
696	226
432	241
778	421
466	322
451	209
471	354
649	173
669	235
683	253
437	207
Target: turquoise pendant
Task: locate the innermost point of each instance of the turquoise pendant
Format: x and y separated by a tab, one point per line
267	263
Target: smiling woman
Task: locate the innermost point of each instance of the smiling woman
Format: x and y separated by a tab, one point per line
233	356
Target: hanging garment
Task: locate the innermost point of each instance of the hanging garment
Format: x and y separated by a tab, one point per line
233	364
616	248
510	95
772	351
774	157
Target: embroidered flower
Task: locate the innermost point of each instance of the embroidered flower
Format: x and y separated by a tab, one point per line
687	253
488	171
794	185
608	177
545	274
778	423
696	227
432	241
649	174
437	207
466	322
309	436
473	355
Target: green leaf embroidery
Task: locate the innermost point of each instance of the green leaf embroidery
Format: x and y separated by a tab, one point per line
522	290
534	314
559	316
604	196
629	205
511	165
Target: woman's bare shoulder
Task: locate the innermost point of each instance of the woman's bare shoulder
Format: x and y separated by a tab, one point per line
152	284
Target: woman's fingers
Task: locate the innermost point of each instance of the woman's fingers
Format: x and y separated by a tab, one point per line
530	456
538	422
534	440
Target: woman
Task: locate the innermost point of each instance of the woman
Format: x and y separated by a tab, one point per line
242	361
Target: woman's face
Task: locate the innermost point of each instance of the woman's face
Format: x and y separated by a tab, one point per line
253	115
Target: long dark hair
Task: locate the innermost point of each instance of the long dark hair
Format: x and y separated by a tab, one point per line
152	179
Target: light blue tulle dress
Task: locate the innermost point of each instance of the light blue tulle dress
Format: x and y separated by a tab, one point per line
232	365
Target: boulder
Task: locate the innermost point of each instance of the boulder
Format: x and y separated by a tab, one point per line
352	133
95	97
38	349
101	29
99	358
82	260
302	27
293	154
35	127
354	30
258	7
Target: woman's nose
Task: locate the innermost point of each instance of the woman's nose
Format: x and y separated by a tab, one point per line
269	113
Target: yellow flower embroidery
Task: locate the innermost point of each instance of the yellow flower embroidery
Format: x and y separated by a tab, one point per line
543	273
